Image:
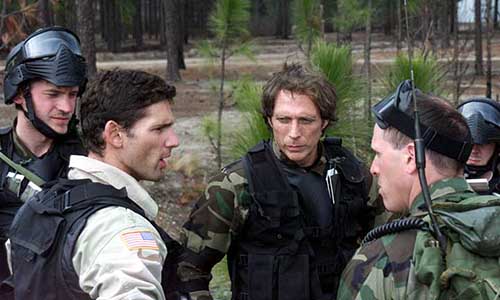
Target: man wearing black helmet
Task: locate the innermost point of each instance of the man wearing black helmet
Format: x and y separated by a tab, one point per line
44	75
483	118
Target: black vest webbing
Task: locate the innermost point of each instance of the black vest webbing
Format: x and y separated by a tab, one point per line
282	253
46	229
13	189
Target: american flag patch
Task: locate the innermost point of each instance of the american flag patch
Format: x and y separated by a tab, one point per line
135	240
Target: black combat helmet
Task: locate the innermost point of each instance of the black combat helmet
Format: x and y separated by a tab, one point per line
52	54
483	118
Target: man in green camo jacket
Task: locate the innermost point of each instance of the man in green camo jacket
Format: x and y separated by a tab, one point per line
291	212
384	268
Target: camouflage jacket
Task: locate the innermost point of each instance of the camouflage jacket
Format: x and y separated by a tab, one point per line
384	268
219	217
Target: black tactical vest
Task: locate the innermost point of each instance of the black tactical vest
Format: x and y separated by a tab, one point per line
15	189
296	241
44	234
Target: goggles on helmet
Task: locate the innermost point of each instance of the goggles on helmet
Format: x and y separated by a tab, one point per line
44	43
394	111
489	111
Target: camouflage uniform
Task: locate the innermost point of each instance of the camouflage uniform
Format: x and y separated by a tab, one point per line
219	218
385	268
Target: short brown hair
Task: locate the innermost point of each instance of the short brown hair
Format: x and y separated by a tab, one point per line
439	114
298	79
121	96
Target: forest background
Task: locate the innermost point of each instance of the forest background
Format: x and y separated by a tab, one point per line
218	53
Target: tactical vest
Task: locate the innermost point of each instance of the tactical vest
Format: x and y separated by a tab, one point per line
15	189
296	241
44	234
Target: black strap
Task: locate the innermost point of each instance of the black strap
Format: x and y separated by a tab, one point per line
261	167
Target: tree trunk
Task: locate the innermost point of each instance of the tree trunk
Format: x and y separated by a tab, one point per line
283	23
478	39
400	27
221	104
489	33
495	15
453	15
181	34
172	39
368	45
113	28
44	13
2	17
139	42
86	32
69	15
445	18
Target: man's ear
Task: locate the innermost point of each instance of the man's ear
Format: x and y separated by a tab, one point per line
113	134
19	99
409	157
325	124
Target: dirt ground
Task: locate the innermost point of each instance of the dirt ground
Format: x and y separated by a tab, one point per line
194	161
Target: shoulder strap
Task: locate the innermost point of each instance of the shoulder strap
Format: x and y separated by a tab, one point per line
263	172
92	193
22	170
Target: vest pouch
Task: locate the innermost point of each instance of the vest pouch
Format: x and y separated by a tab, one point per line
477	225
469	276
260	277
40	238
293	277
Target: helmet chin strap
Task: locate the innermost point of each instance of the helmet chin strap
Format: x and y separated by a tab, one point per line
478	171
37	123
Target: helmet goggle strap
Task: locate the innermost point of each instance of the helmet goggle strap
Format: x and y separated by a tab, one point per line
37	123
390	112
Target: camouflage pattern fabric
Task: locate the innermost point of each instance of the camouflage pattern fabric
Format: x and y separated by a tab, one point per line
385	268
220	215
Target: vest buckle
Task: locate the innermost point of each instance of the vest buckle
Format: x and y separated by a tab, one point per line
66	201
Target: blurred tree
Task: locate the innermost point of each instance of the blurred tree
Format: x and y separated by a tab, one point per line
429	74
367	66
307	22
111	24
85	24
137	31
458	62
495	15
229	24
478	38
351	15
174	21
44	13
247	95
489	34
283	23
336	63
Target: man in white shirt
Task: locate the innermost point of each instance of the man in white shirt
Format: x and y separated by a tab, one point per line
93	236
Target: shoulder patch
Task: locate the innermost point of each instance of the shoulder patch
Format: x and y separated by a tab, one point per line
135	240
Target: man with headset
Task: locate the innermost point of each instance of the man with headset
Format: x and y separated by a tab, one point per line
387	265
44	75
